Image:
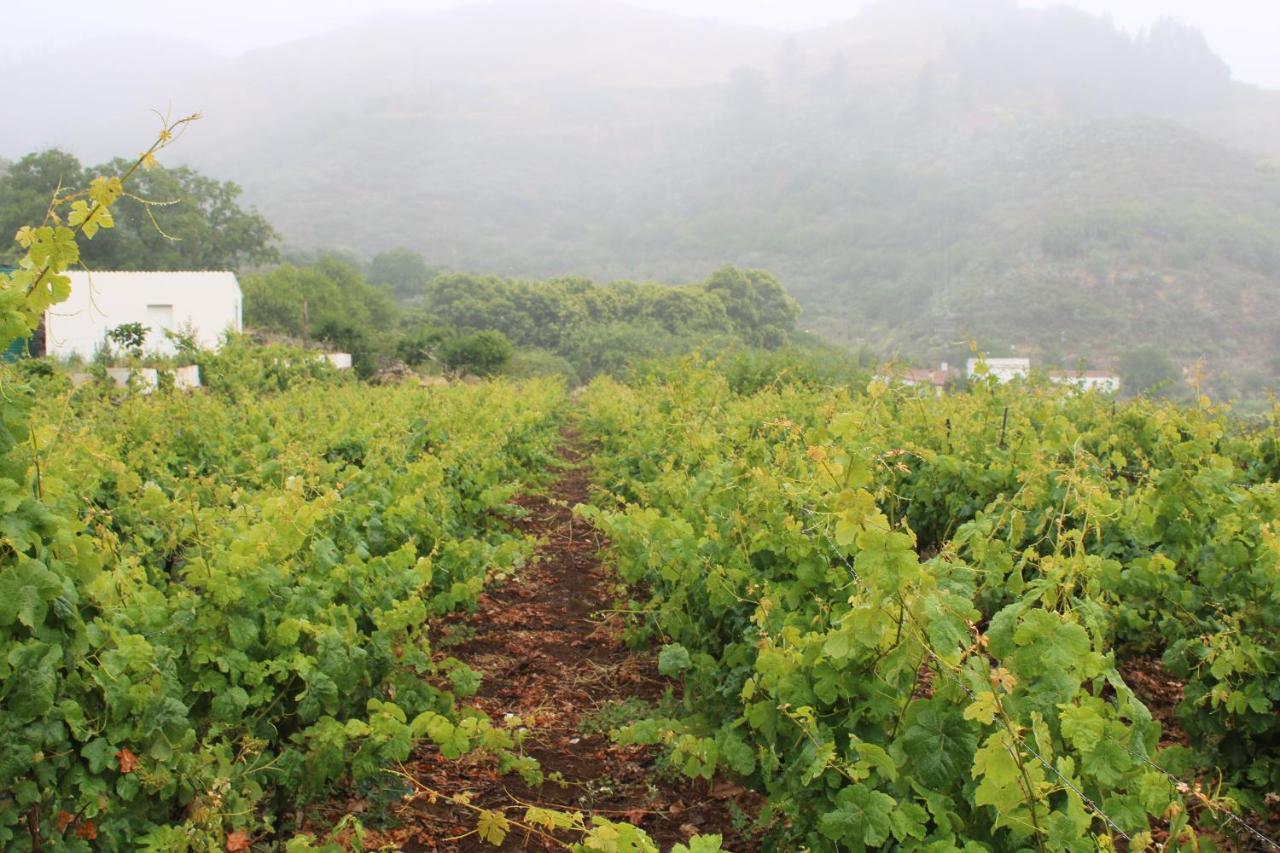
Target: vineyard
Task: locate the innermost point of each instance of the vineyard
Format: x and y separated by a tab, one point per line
908	621
625	568
894	621
208	603
298	612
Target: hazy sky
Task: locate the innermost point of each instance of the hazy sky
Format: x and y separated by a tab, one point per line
1245	32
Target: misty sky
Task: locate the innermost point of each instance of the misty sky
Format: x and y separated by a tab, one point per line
1245	32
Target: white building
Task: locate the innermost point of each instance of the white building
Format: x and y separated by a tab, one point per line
207	304
1088	380
1003	369
340	360
918	377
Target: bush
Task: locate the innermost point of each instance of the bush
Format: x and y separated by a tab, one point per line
243	367
532	363
419	344
751	370
481	353
1149	370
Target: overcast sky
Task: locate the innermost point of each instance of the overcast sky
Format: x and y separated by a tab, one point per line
1245	32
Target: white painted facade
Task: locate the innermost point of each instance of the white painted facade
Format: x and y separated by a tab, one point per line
184	378
205	303
1088	380
1003	369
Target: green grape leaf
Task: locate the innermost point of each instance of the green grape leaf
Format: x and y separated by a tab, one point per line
983	709
938	743
1082	726
701	844
100	754
492	827
909	820
862	817
673	660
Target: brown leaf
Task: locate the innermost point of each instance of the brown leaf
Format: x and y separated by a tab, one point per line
87	831
65	819
727	791
128	761
237	841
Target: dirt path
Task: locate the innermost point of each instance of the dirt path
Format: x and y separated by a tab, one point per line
548	654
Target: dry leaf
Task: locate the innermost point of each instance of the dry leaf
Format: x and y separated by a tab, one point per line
128	761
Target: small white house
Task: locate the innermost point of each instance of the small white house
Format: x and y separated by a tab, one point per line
918	377
1088	380
1003	369
340	360
207	304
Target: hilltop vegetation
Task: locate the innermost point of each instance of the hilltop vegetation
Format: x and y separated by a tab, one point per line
229	617
930	172
237	614
569	326
205	226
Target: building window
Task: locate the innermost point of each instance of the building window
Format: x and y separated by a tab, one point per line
159	321
160	317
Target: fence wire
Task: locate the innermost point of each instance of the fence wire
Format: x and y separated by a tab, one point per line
817	526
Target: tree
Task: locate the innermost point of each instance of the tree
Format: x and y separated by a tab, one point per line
300	300
481	353
1148	370
204	228
204	225
760	310
402	271
683	310
130	337
328	301
419	344
26	188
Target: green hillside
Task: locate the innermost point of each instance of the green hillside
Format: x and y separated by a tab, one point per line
926	174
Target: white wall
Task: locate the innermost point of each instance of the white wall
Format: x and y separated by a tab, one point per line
208	302
1108	383
1003	369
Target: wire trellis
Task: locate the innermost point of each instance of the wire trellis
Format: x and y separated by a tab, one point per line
1179	784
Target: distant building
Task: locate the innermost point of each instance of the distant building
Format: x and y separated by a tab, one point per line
205	304
1003	369
920	377
1088	380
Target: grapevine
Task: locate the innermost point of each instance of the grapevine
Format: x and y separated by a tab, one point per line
903	619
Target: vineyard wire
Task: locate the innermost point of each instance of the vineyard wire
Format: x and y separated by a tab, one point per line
1021	742
1179	784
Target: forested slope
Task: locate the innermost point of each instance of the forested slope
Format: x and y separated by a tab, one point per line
925	174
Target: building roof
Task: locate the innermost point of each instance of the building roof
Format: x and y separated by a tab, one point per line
126	278
922	376
918	375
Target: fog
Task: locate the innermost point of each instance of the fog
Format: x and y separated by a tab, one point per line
1068	181
1244	32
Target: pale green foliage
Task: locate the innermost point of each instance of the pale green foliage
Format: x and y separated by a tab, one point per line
817	563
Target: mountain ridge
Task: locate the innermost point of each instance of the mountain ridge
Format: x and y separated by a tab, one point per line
886	170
